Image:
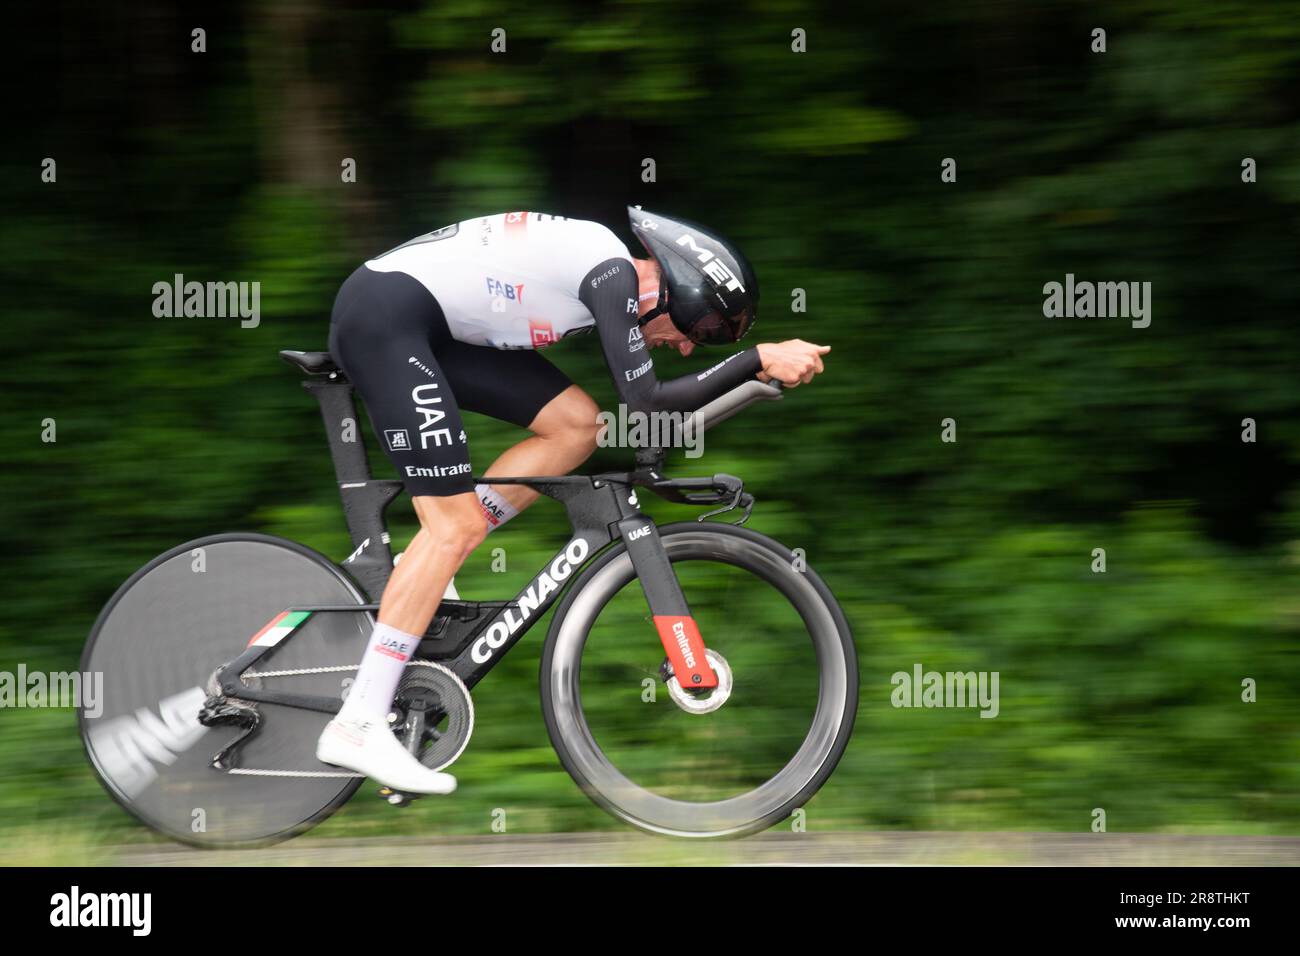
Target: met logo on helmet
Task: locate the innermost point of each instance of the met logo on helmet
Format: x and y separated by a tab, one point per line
712	266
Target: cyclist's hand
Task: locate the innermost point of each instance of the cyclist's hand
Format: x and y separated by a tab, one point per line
794	362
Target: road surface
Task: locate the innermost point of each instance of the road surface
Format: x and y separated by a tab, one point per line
824	849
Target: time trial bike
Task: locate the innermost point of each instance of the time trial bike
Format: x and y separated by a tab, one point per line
697	679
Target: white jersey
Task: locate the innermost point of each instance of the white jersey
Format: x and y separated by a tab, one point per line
510	281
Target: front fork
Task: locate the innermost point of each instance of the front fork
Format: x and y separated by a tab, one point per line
672	616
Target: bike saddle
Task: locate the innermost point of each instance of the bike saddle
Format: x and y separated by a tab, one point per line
313	363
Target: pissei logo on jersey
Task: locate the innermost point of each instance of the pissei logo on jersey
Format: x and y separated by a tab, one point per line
412	360
603	276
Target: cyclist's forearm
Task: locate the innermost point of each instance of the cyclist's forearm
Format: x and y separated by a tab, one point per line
686	393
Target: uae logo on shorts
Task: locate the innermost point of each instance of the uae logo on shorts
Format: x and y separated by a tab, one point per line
397	439
541	332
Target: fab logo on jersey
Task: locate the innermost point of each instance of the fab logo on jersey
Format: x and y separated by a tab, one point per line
541	333
504	290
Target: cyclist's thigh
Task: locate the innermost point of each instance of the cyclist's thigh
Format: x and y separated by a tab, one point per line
511	385
380	335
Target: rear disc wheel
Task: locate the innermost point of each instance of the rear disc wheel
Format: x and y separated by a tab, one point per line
158	643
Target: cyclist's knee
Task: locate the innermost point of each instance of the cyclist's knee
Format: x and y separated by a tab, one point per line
455	523
570	418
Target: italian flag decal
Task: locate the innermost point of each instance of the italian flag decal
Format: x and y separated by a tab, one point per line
280	627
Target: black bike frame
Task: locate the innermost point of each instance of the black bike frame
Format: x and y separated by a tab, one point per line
601	508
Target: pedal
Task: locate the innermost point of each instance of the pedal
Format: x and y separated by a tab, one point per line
398	798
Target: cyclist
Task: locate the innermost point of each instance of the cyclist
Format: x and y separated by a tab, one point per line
455	319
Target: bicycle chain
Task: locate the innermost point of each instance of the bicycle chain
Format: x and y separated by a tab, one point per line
302	672
251	772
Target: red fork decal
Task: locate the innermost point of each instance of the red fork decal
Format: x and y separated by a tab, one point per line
685	650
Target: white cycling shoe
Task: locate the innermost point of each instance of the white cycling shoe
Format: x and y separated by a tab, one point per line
369	747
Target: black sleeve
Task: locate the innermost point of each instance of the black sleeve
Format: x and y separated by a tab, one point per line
609	291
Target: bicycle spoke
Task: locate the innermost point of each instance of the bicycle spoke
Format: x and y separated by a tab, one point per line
690	757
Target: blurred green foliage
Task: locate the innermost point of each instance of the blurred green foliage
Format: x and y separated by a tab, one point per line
1120	690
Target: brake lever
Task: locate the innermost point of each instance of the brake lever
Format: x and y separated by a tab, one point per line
746	502
719	485
735	499
741	499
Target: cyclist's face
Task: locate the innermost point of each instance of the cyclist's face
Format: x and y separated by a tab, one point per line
661	331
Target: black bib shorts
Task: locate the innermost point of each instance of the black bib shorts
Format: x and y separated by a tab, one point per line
389	335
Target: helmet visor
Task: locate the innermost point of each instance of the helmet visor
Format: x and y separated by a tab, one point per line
714	328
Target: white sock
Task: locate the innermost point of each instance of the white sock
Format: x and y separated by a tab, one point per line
495	508
381	668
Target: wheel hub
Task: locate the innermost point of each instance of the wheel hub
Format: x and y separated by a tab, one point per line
703	702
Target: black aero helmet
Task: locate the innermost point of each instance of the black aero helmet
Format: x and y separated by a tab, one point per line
712	292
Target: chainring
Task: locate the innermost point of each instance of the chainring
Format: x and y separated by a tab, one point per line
430	696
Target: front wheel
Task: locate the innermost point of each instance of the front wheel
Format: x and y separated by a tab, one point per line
679	766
